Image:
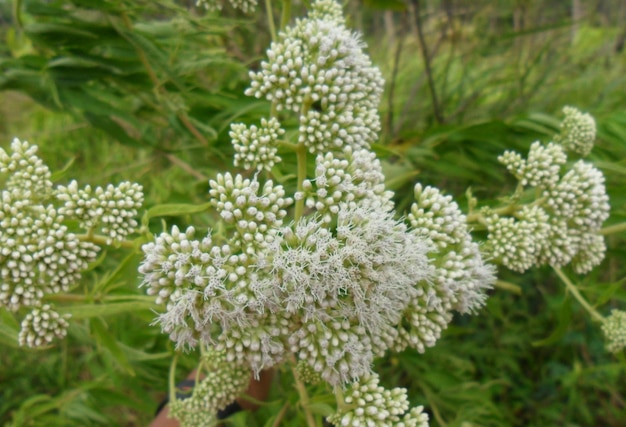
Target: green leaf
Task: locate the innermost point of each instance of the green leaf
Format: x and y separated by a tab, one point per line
9	329
175	210
565	314
108	341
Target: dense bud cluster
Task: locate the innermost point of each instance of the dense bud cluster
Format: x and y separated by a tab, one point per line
39	256
460	277
578	131
561	226
366	403
255	214
614	328
222	384
246	6
256	147
111	210
317	69
42	326
356	178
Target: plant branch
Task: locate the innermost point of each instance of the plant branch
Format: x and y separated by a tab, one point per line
270	19
286	15
427	63
574	290
185	166
158	87
104	241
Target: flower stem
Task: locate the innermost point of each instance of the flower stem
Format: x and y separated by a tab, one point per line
574	290
301	156
479	217
172	378
613	229
508	286
103	241
270	19
284	19
304	395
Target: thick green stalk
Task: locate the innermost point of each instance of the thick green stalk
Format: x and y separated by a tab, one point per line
574	290
304	395
172	378
613	229
102	241
270	18
286	16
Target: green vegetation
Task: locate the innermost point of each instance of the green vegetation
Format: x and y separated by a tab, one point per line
145	91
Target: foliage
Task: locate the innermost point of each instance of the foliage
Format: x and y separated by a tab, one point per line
145	75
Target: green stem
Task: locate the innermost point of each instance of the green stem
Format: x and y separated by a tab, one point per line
172	378
574	290
479	217
270	19
613	229
281	415
304	395
286	16
507	286
102	241
301	156
90	298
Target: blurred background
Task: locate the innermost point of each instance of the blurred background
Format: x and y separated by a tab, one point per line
146	90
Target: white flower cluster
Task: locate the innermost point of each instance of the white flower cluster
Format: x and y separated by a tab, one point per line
39	256
561	225
318	69
42	326
256	216
356	178
366	403
578	131
256	147
461	276
111	210
246	6
223	383
541	169
347	290
614	328
346	280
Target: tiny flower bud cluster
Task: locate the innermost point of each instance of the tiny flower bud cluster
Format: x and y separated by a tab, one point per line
614	328
246	6
112	209
368	404
542	167
578	131
223	383
39	256
317	68
256	147
355	178
561	226
42	326
255	216
461	276
28	175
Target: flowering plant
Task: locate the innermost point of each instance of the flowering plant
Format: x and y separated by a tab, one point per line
318	274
